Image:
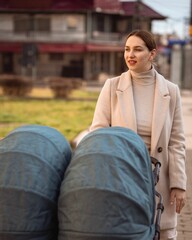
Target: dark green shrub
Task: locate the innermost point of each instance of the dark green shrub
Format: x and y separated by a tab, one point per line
62	87
13	85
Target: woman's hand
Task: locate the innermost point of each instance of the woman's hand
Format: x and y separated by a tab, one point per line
179	197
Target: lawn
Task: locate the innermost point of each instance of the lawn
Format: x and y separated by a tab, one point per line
70	117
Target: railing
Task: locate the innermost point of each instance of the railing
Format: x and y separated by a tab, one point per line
65	36
106	36
42	36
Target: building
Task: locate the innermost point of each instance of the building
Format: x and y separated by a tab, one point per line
68	38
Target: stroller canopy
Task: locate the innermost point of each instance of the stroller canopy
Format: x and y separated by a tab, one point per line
108	190
32	163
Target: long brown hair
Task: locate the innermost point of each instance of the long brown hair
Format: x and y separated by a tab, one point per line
146	36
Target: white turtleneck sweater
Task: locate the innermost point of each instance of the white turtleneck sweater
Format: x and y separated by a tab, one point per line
143	92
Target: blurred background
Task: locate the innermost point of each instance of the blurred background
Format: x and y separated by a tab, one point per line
55	55
85	39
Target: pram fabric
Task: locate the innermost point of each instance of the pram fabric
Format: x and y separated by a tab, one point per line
33	160
108	189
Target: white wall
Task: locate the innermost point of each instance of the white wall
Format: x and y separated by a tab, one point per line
6	22
61	23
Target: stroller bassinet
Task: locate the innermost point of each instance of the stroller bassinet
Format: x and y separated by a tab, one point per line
32	163
108	190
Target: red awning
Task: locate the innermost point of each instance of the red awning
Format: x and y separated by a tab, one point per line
103	48
60	48
10	47
75	48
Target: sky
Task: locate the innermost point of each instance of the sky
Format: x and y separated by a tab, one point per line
178	13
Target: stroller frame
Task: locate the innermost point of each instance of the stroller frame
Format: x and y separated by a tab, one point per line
160	206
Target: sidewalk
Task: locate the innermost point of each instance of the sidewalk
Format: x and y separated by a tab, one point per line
185	218
187	115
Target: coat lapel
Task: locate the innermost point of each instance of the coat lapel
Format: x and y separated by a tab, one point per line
126	101
160	110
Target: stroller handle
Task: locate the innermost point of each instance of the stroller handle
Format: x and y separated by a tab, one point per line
156	170
155	161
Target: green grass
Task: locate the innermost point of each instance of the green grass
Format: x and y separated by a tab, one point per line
70	117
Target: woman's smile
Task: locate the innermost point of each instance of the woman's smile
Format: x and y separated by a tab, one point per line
132	62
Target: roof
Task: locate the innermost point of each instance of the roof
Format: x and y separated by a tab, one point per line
111	6
61	5
138	8
24	4
73	5
105	6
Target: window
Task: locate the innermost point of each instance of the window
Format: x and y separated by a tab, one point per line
22	23
42	24
26	23
100	22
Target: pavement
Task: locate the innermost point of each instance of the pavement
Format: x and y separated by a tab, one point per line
185	218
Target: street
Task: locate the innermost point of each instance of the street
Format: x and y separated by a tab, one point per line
185	218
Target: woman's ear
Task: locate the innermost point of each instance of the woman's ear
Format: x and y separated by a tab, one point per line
153	54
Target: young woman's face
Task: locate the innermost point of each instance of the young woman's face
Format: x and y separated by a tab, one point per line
137	56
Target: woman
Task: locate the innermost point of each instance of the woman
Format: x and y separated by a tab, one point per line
143	100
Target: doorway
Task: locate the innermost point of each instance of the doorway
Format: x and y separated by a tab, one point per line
7	62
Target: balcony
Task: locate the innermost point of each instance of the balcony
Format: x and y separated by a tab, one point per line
34	36
61	37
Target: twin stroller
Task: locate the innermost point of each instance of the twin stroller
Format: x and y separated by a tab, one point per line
105	191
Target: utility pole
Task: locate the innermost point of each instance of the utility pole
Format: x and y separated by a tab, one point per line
189	59
190	23
137	15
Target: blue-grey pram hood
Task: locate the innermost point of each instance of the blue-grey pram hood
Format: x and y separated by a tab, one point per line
108	190
32	163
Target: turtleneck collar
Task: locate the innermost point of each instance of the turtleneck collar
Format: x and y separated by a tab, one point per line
144	78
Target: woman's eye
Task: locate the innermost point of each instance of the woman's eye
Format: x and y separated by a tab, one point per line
135	50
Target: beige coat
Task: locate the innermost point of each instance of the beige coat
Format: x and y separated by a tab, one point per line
115	107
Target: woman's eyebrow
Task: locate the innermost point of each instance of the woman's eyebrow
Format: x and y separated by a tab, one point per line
139	46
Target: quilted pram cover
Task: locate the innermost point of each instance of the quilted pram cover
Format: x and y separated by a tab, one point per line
33	159
108	189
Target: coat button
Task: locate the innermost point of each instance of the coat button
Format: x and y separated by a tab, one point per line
160	149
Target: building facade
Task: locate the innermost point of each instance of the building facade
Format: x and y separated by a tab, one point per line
68	38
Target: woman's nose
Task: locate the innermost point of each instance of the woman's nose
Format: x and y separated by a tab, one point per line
131	53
